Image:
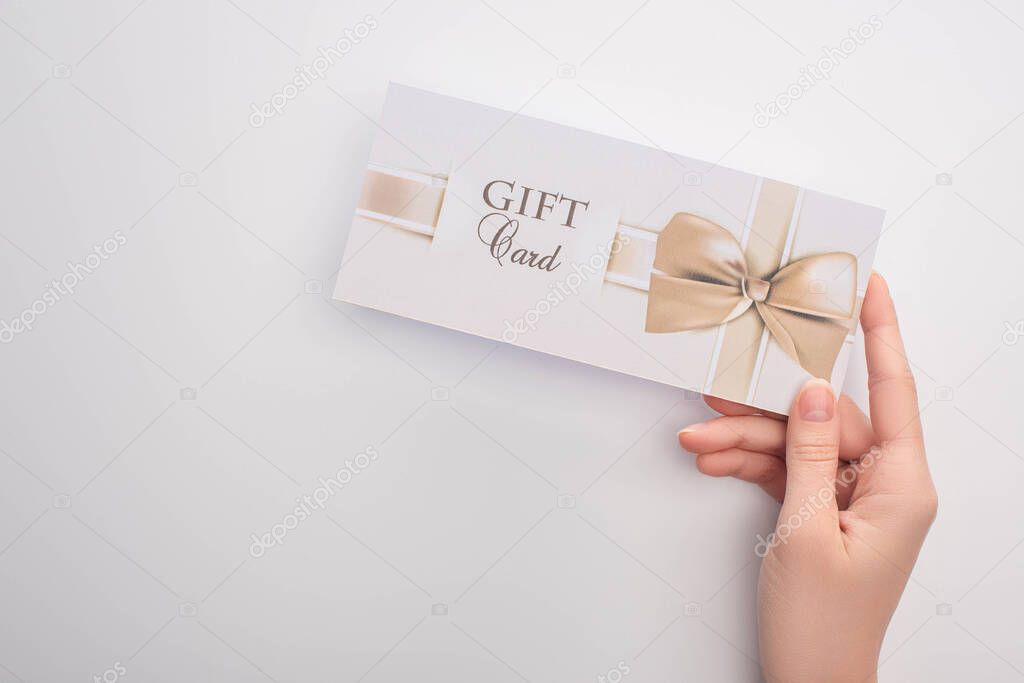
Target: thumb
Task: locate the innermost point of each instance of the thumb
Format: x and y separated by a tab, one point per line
812	456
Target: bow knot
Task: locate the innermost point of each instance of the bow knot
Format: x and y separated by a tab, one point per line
754	289
701	279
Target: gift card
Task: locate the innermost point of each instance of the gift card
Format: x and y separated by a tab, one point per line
606	252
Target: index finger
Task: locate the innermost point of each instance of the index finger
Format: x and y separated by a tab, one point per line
892	390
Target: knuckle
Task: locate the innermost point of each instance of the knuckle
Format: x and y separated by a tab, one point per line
921	510
821	448
928	506
885	329
903	380
907	442
704	464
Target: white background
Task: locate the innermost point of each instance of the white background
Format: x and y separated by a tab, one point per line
126	506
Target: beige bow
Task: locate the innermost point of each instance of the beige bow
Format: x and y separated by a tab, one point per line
701	279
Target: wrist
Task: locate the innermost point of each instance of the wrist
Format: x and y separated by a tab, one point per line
867	672
869	677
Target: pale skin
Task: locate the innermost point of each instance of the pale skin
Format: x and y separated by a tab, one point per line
857	501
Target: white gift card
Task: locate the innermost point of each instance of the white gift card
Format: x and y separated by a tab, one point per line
606	252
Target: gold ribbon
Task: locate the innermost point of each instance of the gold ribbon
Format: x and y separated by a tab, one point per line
701	279
413	203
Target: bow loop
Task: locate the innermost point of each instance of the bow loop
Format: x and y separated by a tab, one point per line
701	280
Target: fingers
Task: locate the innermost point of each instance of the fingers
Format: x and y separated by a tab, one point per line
767	471
749	432
894	487
846	485
893	396
812	456
726	407
759	433
856	437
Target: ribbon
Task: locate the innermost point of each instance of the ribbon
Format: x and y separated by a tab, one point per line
698	276
701	279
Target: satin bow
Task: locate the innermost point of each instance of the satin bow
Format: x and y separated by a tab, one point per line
701	280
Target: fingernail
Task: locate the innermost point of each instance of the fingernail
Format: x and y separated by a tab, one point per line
817	402
881	279
693	428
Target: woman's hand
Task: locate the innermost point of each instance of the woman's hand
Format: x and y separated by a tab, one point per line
857	501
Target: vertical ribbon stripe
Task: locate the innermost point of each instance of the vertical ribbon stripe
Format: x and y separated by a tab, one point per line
632	257
764	247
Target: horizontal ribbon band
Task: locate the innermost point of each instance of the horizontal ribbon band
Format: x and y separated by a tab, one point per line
698	276
406	199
